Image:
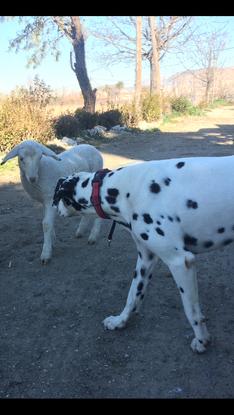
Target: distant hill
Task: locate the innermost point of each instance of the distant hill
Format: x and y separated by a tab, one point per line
191	84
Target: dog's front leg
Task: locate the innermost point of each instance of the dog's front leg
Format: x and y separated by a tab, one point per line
142	275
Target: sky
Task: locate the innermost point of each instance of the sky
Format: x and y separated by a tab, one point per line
13	70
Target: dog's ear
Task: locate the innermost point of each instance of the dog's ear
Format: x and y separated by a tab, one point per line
58	191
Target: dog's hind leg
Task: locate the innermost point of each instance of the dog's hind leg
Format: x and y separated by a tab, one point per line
182	267
142	275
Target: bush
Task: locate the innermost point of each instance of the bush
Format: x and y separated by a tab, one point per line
110	118
150	108
86	120
181	104
130	116
66	126
23	115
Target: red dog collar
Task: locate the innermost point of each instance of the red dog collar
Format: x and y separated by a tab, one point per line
95	197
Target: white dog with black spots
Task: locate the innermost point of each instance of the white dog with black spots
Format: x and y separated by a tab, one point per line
173	209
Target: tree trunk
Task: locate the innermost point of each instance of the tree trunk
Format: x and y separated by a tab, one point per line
80	69
155	78
138	82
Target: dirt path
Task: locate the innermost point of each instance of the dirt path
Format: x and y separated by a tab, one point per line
53	344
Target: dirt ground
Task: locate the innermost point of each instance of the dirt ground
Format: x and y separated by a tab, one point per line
53	344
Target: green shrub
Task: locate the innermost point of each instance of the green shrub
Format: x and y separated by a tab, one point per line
23	115
110	118
150	108
66	125
130	115
86	120
181	104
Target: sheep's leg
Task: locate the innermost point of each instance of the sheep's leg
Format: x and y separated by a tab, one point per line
48	229
95	231
83	225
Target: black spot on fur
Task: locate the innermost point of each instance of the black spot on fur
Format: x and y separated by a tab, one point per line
178	219
192	204
85	183
142	296
144	236
111	174
115	209
134	309
150	276
147	218
135	274
161	216
160	231
111	200
208	244
154	187
180	164
190	240
140	286
221	230
158	222
135	216
83	201
181	290
170	218
227	241
142	272
113	192
167	181
195	323
128	194
151	256
120	168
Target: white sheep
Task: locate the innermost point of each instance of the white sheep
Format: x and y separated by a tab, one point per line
40	169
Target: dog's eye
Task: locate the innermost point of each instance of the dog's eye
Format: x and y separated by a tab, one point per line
67	201
21	158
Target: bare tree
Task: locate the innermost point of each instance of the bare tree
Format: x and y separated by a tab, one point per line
119	38
138	81
42	34
204	51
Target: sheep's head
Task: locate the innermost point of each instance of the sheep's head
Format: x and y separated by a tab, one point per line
29	155
29	159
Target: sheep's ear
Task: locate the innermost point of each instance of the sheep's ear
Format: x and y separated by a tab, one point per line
47	152
13	153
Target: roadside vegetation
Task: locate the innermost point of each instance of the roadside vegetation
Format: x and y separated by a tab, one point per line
27	114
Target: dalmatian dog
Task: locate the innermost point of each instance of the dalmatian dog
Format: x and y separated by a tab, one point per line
174	209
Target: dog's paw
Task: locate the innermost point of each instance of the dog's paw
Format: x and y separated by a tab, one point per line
198	346
113	322
79	234
91	241
45	257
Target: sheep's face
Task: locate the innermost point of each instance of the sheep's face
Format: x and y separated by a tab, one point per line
29	160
